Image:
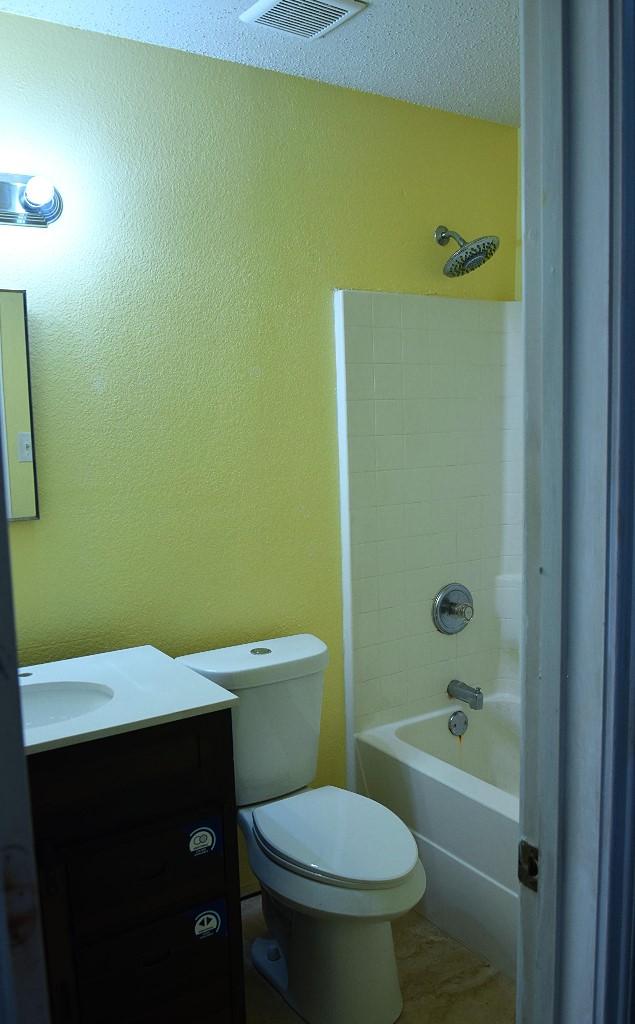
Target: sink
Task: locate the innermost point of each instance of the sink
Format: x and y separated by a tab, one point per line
46	703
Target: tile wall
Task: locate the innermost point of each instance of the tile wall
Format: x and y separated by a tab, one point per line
433	430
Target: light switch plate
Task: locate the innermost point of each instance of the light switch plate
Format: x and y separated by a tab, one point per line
25	447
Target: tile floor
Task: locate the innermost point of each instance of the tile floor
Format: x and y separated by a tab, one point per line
442	982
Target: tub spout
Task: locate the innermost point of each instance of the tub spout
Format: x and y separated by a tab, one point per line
472	695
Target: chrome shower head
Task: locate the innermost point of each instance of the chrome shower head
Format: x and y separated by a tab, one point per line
470	256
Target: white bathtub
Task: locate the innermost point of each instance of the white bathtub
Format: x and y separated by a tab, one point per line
460	799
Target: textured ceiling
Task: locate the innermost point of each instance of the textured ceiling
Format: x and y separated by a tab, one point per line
458	55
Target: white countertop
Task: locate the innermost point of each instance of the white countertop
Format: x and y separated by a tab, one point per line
148	688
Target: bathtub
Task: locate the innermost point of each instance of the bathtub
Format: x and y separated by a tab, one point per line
459	797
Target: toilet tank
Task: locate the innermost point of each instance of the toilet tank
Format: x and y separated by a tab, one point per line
276	723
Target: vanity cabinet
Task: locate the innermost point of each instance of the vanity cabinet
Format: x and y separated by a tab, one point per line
137	857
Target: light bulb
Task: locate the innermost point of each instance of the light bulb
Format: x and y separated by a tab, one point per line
39	191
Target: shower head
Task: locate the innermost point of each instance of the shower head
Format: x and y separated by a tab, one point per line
470	255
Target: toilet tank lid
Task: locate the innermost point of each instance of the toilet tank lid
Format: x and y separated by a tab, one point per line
262	661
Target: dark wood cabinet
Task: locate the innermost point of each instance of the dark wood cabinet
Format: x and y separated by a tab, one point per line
138	865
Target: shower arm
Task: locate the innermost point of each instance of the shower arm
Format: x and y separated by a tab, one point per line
443	235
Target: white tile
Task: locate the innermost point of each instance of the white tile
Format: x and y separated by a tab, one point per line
432	680
387	345
469	514
491	381
443	347
390	556
419	551
395	689
389	451
390	589
390	486
365	595
358	308
368	697
468	381
391	657
443	384
479	635
418	619
359	381
442	515
417	380
363	560
386	309
442	547
388	380
493	348
389	417
359	344
420	586
416	651
361	417
390	522
391	624
361	453
469	543
363	525
413	310
431	483
469	573
420	416
363	490
432	449
493	317
440	647
465	314
415	518
365	664
366	629
415	347
438	312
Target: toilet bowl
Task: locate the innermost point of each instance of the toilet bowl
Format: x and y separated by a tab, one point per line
335	867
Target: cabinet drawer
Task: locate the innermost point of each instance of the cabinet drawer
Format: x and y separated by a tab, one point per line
185	956
146	872
90	787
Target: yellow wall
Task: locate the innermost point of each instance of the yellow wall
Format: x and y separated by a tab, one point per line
181	329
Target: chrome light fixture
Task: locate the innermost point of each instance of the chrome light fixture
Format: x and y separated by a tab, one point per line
27	200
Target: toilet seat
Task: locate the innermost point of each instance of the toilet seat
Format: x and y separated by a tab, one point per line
336	837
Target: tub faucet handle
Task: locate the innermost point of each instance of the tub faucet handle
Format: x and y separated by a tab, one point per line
452	608
464	611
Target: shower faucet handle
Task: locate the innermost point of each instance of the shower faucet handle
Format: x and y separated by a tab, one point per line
465	610
452	608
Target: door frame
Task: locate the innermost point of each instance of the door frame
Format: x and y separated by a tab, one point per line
578	772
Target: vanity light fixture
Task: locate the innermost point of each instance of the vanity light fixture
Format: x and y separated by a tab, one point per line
28	200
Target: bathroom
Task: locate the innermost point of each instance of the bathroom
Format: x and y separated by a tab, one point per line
261	410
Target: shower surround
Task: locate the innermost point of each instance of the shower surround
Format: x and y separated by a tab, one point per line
431	467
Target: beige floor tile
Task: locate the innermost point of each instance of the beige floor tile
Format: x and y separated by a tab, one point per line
442	982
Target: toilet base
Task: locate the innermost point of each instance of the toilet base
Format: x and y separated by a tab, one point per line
330	970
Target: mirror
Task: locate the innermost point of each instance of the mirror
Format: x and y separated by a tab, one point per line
16	423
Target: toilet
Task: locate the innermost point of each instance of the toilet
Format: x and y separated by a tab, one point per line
335	867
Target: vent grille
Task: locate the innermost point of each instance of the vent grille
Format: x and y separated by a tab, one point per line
308	19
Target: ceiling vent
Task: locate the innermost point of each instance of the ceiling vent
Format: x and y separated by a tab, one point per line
308	19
